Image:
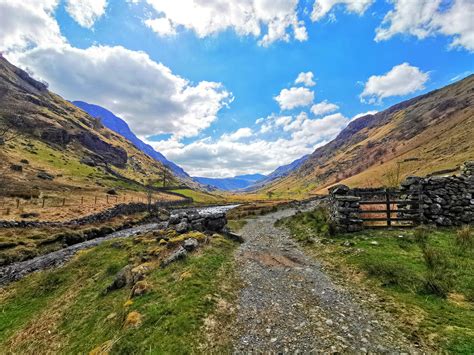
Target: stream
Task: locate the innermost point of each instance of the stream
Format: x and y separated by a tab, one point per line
16	271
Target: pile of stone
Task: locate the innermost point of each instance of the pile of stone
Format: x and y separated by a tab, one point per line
344	209
185	221
445	201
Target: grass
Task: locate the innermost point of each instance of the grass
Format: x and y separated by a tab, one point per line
426	272
65	310
17	244
201	197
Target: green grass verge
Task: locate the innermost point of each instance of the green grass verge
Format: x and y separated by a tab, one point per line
428	274
64	310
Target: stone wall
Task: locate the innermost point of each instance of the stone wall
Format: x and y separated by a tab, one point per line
445	201
118	210
344	208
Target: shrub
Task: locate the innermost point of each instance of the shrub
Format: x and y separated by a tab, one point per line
434	259
464	238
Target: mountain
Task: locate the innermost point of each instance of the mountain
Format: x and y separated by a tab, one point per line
426	134
278	173
121	127
59	147
230	184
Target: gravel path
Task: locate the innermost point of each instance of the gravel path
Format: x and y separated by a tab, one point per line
290	304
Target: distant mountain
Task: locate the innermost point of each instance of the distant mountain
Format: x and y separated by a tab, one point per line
121	127
278	173
230	184
425	134
59	148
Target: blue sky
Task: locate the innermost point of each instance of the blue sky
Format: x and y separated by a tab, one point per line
196	85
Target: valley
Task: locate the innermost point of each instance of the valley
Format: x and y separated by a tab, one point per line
109	247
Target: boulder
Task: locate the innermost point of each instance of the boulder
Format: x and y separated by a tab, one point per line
45	176
15	167
182	227
179	254
190	244
339	189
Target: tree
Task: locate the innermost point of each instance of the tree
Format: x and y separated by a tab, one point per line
270	194
165	176
393	176
7	132
149	192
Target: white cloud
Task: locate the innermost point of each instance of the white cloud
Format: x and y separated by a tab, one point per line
423	18
239	134
294	97
27	23
86	12
362	114
305	78
162	26
401	80
246	17
322	7
324	107
201	157
145	93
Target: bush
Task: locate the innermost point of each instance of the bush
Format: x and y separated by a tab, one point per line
464	238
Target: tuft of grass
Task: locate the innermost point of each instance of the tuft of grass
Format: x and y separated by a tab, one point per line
465	238
438	278
421	235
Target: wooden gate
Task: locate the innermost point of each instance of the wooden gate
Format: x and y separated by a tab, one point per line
382	208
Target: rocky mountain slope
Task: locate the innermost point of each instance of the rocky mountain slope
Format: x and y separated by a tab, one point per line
118	125
427	134
230	184
59	147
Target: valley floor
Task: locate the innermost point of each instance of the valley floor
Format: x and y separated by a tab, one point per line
289	303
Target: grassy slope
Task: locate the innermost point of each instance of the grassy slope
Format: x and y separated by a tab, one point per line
426	134
63	310
396	269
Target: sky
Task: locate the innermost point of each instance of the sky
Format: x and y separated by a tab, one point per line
226	87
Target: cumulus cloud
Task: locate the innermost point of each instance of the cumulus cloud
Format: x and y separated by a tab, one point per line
246	18
233	157
323	107
362	114
423	18
294	97
86	12
162	26
239	134
28	22
305	79
145	93
322	7
401	80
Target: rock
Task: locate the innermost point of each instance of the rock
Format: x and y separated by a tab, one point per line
190	244
182	227
374	242
88	161
45	176
24	161
339	189
179	254
29	215
329	322
215	224
121	280
112	192
17	168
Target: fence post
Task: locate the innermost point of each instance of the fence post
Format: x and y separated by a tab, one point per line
17	203
64	201
82	200
107	198
95	200
389	214
42	205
